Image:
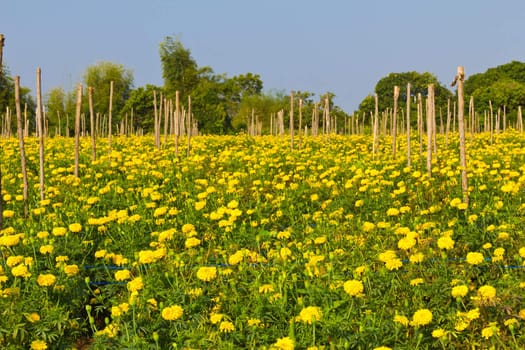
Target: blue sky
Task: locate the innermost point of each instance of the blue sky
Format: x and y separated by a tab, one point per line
341	46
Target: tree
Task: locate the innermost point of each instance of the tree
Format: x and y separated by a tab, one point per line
99	76
419	85
7	96
60	106
141	102
179	69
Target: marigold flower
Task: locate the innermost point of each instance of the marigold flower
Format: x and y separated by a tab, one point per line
487	292
122	275
75	227
226	327
135	284
421	317
46	249
475	258
20	271
353	287
459	291
401	319
38	345
192	242
59	231
393	264
285	343
438	333
71	270
490	331
310	314
46	280
445	242
207	273
172	313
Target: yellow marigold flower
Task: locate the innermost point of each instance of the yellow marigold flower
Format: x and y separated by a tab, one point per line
382	348
71	270
392	212
368	226
266	288
38	345
406	243
487	292
416	258
186	228
192	242
459	291
207	273
20	271
393	264
135	284
59	231
194	292
314	197
401	319
475	258
445	242
116	311
216	318
46	280
439	333
310	314
14	260
42	234
46	249
421	317
172	313
75	227
462	206
416	281
522	252
387	255
490	331
521	314
122	275
473	314
226	327
254	322
8	213
33	317
285	252
320	240
353	287
285	343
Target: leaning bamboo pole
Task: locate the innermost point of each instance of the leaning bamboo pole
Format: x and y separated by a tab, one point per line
20	132
77	127
394	122
461	124
40	122
92	122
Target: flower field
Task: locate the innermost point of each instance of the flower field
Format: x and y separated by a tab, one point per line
248	244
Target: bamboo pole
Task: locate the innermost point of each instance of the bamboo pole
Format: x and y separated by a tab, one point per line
177	123
394	122
430	127
39	118
520	120
155	116
461	124
2	41
375	128
420	122
409	162
110	116
448	123
92	122
77	127
300	121
188	127
20	132
165	122
291	119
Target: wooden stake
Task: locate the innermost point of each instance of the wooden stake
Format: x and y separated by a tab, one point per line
375	128
394	122
461	124
177	123
430	127
409	163
92	122
20	132
77	127
300	121
40	123
110	116
291	120
188	127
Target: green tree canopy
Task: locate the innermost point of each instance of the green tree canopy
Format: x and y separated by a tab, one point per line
179	69
7	97
502	85
140	101
99	76
418	85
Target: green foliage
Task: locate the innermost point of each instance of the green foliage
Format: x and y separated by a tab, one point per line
503	85
418	85
179	69
99	77
7	97
60	106
140	101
